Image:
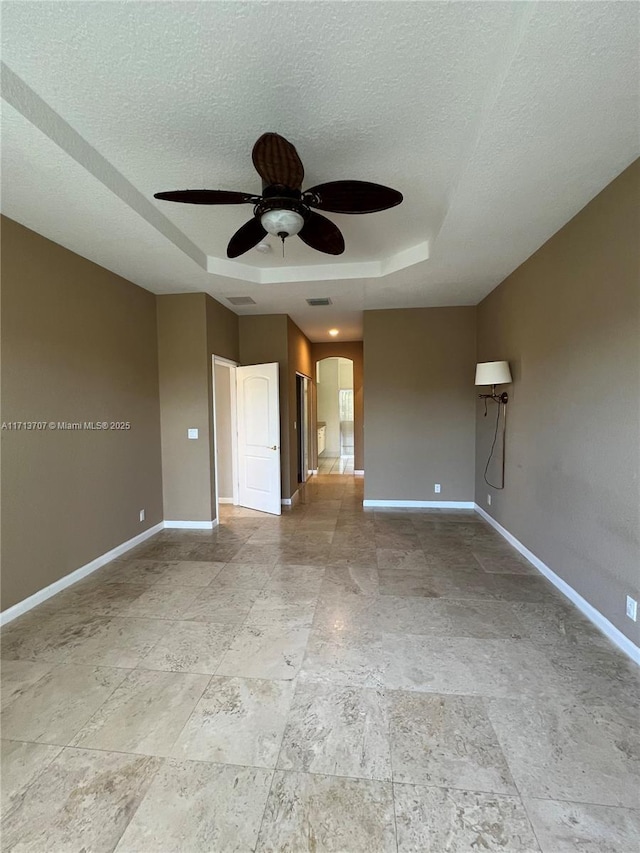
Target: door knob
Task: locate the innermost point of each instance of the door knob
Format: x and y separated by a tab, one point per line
275	447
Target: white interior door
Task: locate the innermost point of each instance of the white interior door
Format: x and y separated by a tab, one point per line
258	405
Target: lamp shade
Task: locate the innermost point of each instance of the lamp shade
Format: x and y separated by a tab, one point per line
493	373
279	222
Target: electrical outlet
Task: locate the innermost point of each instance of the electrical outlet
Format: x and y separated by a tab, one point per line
436	488
142	516
632	608
489	499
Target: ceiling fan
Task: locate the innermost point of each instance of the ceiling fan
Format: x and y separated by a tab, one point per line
284	209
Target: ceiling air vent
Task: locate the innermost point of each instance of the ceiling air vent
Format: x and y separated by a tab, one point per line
241	300
321	300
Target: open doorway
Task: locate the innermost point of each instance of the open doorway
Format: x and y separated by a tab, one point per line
246	435
225	431
335	408
303	422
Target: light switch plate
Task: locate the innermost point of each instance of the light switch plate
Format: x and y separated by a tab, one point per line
192	433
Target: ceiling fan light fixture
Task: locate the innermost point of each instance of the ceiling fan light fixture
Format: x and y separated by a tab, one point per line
282	222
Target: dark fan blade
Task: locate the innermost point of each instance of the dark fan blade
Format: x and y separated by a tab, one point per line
245	238
320	233
277	161
351	197
207	197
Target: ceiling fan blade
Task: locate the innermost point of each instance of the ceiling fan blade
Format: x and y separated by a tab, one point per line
320	233
245	238
277	162
351	197
207	197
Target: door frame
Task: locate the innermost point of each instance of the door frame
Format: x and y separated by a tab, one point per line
303	438
218	361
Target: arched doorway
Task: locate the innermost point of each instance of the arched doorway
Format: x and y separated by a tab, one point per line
335	415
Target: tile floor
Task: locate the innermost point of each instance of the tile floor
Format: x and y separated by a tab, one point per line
331	680
335	465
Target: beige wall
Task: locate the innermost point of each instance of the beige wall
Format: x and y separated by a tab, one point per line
78	344
352	350
419	407
191	328
568	321
184	401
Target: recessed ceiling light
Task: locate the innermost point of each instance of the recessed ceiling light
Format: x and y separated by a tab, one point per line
333	332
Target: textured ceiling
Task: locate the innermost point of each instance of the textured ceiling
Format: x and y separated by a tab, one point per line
498	122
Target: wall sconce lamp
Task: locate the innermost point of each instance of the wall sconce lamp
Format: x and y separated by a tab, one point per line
495	373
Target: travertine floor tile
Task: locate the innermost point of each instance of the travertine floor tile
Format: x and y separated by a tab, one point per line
242	576
564	827
328	815
164	601
342	731
349	659
446	741
82	801
468	666
191	573
564	750
123	641
194	807
557	621
145	714
350	579
237	721
221	605
190	647
265	651
144	572
284	607
504	564
434	820
54	708
17	675
20	765
401	558
447	618
93	596
47	635
596	672
193	645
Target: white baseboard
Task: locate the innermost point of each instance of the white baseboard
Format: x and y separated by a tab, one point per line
418	504
601	622
225	500
359	472
192	525
293	500
73	577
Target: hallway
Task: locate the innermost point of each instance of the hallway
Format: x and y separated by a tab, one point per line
334	679
335	465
